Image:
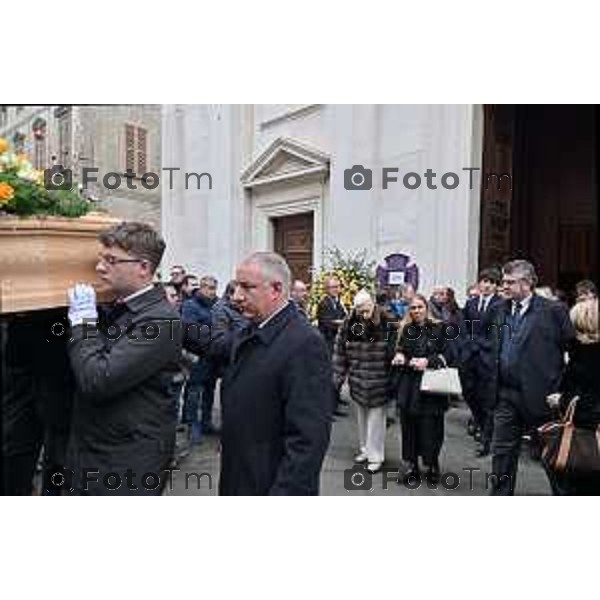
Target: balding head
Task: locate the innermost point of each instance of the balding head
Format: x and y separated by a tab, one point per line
299	292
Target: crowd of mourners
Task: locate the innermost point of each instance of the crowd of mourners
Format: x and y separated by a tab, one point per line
100	407
384	342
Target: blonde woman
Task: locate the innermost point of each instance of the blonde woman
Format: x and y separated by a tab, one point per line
421	346
363	352
581	378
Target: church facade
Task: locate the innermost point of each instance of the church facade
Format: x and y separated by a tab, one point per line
444	185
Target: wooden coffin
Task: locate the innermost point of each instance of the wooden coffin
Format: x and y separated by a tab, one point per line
40	258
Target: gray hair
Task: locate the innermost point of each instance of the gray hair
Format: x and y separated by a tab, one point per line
274	269
522	269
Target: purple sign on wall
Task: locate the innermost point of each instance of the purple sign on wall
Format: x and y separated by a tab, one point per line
397	270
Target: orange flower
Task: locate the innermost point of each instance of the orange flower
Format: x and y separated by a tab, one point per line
6	192
3	145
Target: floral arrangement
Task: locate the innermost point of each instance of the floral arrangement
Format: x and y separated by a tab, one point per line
353	271
22	190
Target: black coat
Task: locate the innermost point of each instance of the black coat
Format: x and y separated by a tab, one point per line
543	337
124	416
363	353
277	407
582	378
425	342
328	311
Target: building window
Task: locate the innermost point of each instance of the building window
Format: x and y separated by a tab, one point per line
136	149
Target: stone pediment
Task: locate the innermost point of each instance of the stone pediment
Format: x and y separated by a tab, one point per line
285	159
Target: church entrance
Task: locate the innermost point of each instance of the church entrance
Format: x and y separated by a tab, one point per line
549	214
293	239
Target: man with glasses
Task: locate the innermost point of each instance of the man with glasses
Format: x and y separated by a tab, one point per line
529	335
123	361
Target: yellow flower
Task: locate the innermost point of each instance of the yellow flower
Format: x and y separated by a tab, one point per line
3	145
6	192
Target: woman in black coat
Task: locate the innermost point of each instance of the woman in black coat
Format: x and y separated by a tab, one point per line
421	346
581	378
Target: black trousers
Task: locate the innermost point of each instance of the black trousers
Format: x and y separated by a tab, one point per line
37	391
478	394
509	428
422	435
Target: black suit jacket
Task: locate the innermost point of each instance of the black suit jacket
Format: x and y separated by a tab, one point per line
329	311
124	416
544	336
477	343
277	407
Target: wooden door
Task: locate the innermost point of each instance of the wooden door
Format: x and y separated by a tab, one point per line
293	237
496	191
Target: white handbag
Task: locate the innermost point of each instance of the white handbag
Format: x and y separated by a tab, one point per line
441	381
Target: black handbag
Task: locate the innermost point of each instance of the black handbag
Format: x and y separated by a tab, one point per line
568	449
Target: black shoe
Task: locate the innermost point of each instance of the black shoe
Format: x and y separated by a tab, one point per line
433	475
410	476
483	450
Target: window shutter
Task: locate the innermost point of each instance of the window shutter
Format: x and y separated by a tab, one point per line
130	147
142	160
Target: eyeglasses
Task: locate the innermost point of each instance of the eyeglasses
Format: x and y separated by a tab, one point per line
111	259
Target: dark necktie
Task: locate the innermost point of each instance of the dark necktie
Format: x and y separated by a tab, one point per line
517	311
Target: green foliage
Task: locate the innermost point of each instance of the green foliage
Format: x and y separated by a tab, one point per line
23	192
353	271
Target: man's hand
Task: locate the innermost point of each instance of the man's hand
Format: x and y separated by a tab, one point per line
82	304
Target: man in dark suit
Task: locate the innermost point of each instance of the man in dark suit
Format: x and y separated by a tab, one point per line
477	361
330	316
37	391
529	339
277	395
123	428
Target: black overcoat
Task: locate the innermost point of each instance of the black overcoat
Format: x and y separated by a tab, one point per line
277	402
428	342
543	337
